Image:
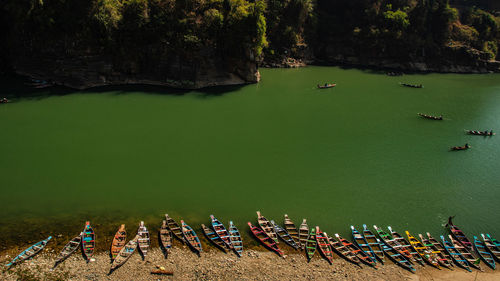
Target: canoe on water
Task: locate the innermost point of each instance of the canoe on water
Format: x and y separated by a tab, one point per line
343	251
455	254
374	243
396	257
391	242
303	234
411	85
444	258
362	244
30	252
174	228
236	240
191	238
283	235
492	245
311	244
267	227
292	230
265	239
144	241
324	245
165	236
464	147
425	253
402	241
430	116
124	253
326	86
481	133
88	242
362	256
459	235
484	253
118	241
471	258
214	238
221	232
69	249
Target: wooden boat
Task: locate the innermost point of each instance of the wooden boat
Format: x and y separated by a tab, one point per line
165	236
481	133
30	252
292	230
465	147
265	239
191	238
124	253
4	100
402	241
324	245
69	249
455	254
214	238
430	116
392	73
326	86
311	244
283	235
221	231
492	245
483	253
443	258
362	244
343	251
118	241
236	240
88	242
396	257
267	227
174	228
459	235
473	260
362	256
411	85
425	253
391	242
144	240
303	234
374	243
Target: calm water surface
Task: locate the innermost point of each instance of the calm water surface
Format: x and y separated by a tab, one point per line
354	154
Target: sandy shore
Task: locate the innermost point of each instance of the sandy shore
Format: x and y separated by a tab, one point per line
215	265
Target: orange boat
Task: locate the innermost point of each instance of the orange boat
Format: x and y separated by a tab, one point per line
118	241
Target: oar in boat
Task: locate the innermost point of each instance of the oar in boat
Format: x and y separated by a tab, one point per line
303	234
455	254
165	236
483	253
267	227
214	238
362	243
30	252
144	240
69	249
283	235
236	240
88	242
124	254
191	238
396	257
432	244
119	241
374	243
265	239
221	231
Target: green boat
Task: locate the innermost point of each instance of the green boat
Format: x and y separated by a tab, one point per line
311	244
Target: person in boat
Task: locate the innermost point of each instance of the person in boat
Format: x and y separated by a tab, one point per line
491	132
326	84
467	145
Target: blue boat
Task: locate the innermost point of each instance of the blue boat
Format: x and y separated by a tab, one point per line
221	231
374	244
363	244
236	240
29	252
214	238
396	256
455	254
483	252
191	238
492	245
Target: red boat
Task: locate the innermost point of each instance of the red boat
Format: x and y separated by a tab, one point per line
324	245
364	257
265	239
459	235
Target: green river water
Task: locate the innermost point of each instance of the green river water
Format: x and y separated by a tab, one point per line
354	154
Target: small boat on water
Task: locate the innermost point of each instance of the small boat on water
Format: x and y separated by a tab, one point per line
466	254
144	241
362	256
88	242
174	228
191	238
396	257
303	234
124	253
425	253
374	243
284	235
492	245
393	243
214	238
311	244
292	230
221	231
4	100
394	73
236	240
411	85
440	117
362	244
165	236
455	254
30	252
265	239
69	249
267	227
326	85
481	133
402	241
343	251
118	241
465	147
444	258
324	245
485	255
459	235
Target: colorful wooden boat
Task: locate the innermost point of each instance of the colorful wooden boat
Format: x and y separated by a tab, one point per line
69	249
303	234
165	236
362	244
174	228
473	260
493	247
267	227
484	253
455	254
221	232
30	252
283	235
88	242
374	243
362	256
144	240
430	116
214	238
236	240
403	242
343	251
311	244
393	243
324	245
481	133
396	257
425	253
292	230
265	239
326	86
443	258
465	147
191	238
459	235
124	253
118	241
